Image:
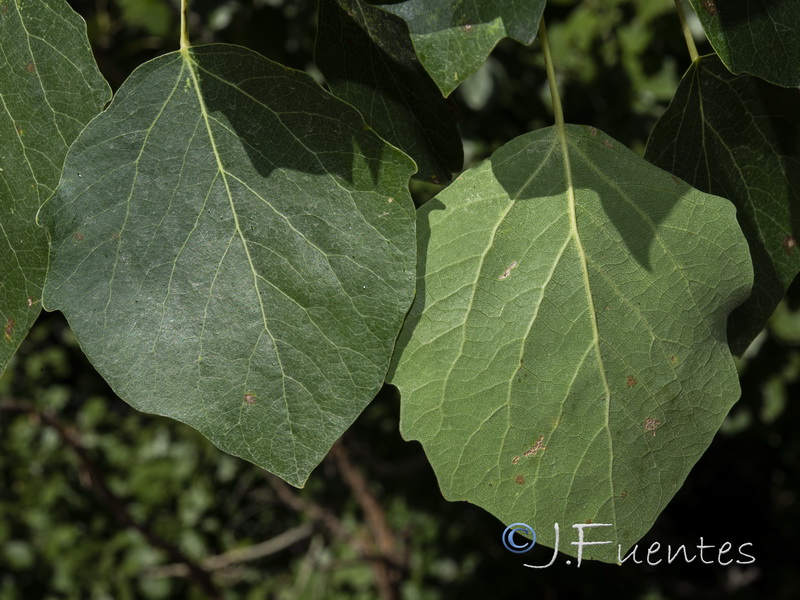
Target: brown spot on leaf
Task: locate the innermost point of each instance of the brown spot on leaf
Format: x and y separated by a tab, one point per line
515	460
30	67
789	244
675	180
539	445
79	237
250	398
710	6
623	494
20	130
519	479
651	424
589	521
608	144
593	131
673	359
508	270
9	329
631	381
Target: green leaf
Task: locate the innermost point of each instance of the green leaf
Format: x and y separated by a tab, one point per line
453	38
739	137
368	61
565	357
50	88
759	37
234	249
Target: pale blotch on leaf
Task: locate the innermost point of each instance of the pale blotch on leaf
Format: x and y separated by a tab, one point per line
789	244
651	424
710	7
539	445
508	270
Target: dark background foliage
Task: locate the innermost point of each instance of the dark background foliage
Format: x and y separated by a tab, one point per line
99	501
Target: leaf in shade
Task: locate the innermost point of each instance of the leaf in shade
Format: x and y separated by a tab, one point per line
368	61
759	37
739	137
50	88
565	359
234	249
452	38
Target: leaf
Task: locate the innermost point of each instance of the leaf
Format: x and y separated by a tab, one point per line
234	249
49	89
453	38
759	37
368	61
565	357
739	137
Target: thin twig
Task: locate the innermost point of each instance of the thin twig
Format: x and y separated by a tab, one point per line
389	572
239	555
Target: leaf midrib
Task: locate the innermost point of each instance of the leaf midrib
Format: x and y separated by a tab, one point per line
573	220
190	64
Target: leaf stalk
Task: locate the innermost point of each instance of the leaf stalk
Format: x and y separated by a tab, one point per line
184	29
558	111
687	34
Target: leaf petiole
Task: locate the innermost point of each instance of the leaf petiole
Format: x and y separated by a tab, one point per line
184	29
687	34
558	112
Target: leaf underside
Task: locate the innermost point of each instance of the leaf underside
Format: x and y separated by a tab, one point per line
453	39
738	137
368	61
759	37
234	249
50	88
565	358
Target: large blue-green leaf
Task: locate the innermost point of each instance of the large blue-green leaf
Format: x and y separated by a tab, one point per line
759	37
453	38
739	137
234	248
50	88
565	359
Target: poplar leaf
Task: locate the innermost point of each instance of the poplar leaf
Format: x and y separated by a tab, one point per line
234	249
739	137
565	359
368	61
759	37
50	88
452	38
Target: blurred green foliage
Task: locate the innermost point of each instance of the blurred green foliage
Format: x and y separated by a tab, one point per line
619	61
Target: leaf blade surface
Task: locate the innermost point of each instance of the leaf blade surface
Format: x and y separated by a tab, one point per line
453	39
368	61
759	37
50	87
738	137
566	360
234	249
